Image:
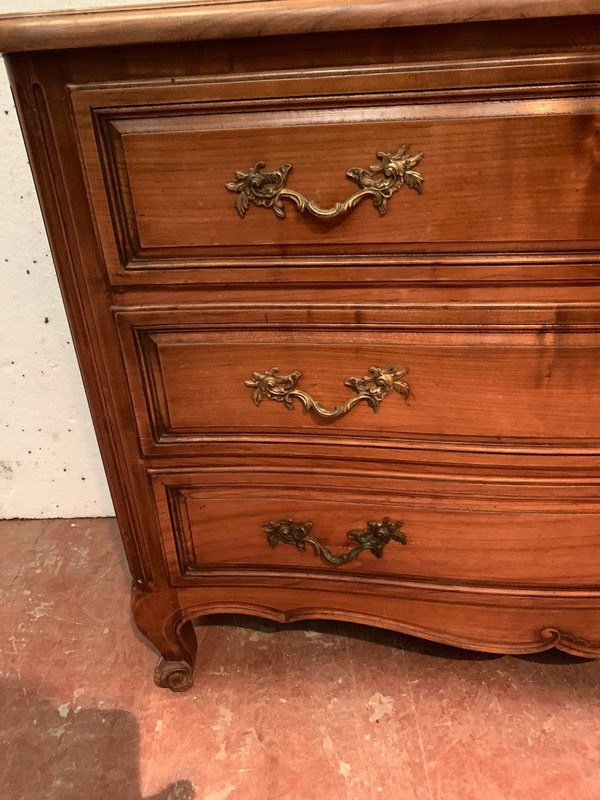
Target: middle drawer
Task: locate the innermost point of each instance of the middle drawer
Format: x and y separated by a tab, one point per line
487	375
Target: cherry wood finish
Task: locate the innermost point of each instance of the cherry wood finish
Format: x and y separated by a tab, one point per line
486	287
463	533
475	375
465	158
492	153
212	19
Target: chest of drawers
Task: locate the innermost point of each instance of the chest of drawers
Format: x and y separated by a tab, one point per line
333	275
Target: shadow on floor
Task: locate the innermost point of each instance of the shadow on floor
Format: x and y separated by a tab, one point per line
385	638
52	753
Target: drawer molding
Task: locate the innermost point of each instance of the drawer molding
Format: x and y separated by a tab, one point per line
492	463
182	399
210	521
374	537
182	232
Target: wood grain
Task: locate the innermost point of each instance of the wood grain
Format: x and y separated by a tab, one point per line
469	382
215	20
487	181
489	165
506	537
496	624
487	288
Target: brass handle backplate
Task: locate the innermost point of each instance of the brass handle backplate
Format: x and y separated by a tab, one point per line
373	537
379	182
373	388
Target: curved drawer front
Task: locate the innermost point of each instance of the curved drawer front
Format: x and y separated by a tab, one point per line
320	521
194	378
503	167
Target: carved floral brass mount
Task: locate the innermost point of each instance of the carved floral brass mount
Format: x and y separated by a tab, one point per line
373	388
374	537
379	182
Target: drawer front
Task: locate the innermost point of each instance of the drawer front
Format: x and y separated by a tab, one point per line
504	168
495	378
328	523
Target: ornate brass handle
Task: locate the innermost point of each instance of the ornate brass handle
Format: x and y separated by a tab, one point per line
380	181
374	538
373	388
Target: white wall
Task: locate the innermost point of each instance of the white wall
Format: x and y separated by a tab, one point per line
49	461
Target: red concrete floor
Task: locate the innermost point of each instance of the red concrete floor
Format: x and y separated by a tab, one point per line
316	711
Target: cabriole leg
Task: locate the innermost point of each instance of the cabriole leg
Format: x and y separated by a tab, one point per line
175	642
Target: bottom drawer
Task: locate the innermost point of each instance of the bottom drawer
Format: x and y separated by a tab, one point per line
499	532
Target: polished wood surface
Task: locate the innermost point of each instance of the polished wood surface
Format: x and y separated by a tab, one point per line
214	20
486	287
456	533
492	157
470	380
486	178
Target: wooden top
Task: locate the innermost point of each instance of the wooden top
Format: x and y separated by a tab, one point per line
215	19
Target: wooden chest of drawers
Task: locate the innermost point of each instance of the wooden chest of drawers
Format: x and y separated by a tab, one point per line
333	274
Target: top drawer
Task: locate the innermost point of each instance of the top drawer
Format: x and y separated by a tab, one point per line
505	168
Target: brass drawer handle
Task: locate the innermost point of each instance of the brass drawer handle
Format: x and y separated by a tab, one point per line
374	538
373	388
380	181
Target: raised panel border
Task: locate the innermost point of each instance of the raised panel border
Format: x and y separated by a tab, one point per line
173	487
158	438
101	111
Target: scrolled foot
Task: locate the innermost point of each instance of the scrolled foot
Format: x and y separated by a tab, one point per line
174	675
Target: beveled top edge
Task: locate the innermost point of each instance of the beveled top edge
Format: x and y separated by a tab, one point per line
216	19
